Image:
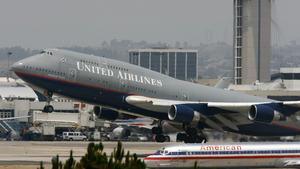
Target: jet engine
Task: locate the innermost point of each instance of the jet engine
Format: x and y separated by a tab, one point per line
183	114
264	113
105	113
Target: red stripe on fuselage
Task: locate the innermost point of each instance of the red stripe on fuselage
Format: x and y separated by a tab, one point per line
218	157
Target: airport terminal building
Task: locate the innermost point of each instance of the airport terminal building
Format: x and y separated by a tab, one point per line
178	63
291	77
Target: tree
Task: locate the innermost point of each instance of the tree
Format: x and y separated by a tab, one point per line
70	163
96	158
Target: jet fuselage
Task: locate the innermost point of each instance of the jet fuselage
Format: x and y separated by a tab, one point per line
102	81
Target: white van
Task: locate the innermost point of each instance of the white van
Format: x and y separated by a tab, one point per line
78	136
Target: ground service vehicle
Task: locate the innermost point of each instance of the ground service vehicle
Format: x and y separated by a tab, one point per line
74	136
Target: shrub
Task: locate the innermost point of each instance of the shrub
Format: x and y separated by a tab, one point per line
96	158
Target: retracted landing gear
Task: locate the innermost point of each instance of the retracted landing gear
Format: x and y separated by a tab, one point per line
48	108
159	137
191	135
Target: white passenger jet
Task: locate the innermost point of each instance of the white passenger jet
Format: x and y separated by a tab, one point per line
238	155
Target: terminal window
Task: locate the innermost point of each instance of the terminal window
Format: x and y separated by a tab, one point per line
144	56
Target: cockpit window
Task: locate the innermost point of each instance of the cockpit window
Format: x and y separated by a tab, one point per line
47	52
160	152
157	152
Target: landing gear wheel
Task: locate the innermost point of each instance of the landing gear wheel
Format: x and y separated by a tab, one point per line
191	131
157	130
49	94
200	139
48	109
160	138
167	139
181	137
190	139
192	136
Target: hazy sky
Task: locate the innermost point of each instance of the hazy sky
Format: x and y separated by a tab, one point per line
40	24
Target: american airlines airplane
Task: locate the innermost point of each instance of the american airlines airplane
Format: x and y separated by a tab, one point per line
116	88
226	155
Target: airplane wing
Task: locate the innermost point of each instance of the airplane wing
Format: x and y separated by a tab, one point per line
164	104
292	103
220	114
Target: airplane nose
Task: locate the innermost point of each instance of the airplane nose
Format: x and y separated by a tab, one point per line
17	66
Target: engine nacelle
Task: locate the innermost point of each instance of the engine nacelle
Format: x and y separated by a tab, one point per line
183	114
264	113
105	113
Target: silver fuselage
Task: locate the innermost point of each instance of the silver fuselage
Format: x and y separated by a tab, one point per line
238	155
107	82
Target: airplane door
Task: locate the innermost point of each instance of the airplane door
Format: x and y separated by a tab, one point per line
62	64
123	85
72	74
67	66
185	96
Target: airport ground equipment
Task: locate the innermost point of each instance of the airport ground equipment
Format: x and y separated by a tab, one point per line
74	136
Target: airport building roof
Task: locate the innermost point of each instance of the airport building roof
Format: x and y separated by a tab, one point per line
291	77
290	70
5	79
17	92
163	50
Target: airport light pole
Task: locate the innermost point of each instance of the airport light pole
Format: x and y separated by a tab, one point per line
8	55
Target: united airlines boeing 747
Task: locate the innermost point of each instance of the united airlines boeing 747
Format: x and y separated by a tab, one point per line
120	87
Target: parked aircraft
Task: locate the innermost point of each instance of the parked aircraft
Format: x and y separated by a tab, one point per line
239	155
125	88
141	125
137	122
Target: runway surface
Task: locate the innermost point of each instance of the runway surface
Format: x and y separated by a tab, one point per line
32	152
